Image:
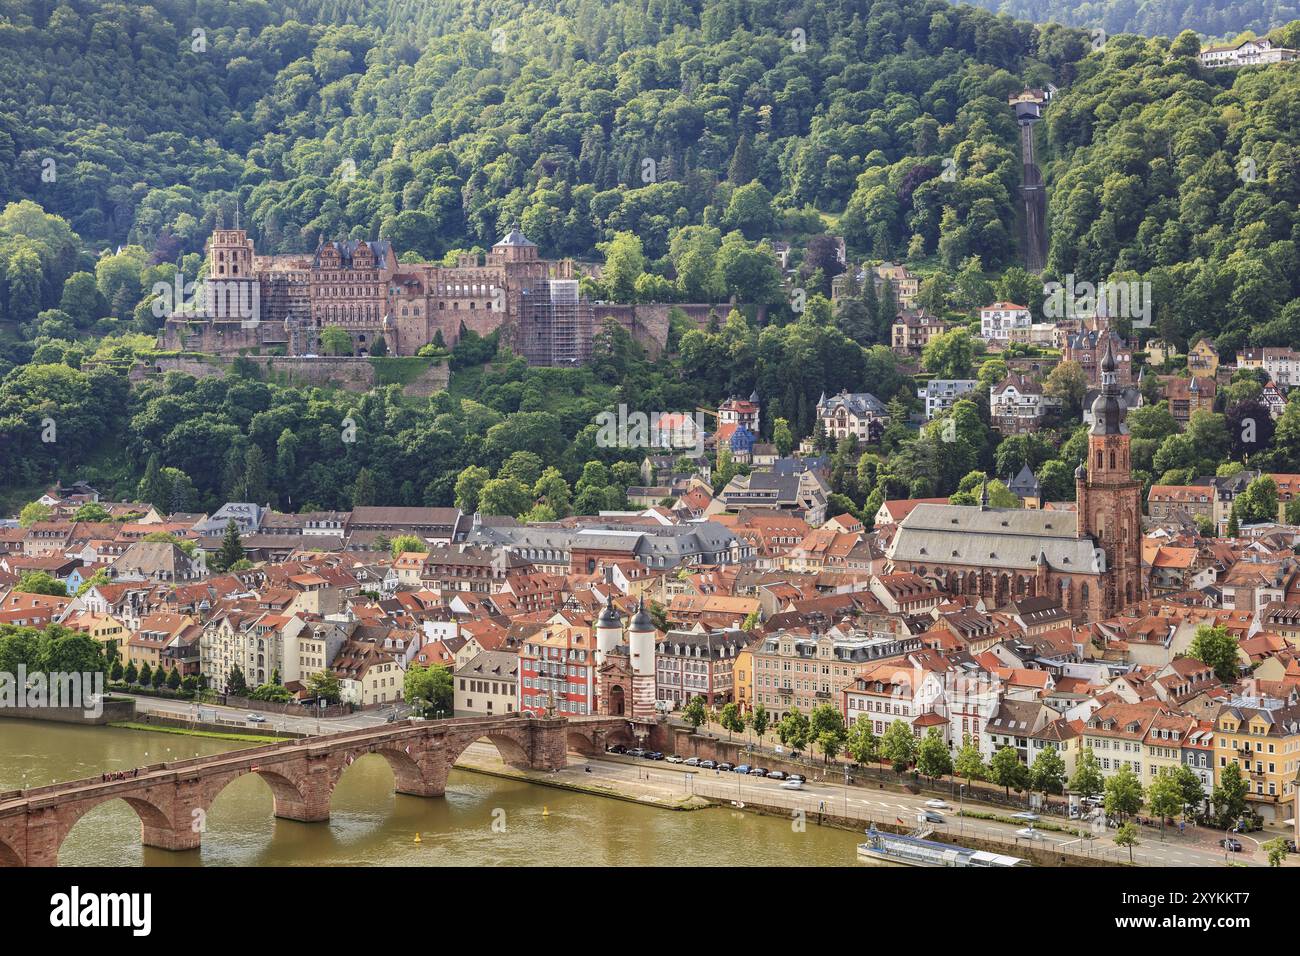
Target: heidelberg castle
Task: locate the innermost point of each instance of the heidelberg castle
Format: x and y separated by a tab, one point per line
254	302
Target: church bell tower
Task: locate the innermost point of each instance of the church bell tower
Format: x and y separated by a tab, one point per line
1109	500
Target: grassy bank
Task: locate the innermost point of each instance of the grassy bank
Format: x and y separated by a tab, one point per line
211	734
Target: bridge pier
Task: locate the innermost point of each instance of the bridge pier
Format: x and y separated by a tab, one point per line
302	787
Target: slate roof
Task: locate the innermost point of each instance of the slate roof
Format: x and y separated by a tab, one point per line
995	538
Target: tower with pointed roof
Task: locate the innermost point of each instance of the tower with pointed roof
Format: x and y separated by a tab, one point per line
1109	499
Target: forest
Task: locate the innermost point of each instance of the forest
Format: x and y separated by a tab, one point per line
671	141
1215	18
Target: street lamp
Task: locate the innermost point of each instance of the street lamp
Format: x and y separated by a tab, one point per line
961	806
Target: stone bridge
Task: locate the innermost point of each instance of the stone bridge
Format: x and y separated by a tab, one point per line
172	799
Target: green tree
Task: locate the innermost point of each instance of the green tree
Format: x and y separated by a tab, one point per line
1229	796
899	745
1277	851
969	764
469	485
407	542
694	714
759	720
1123	793
1047	775
793	730
40	582
335	341
325	685
1127	836
1165	795
1007	770
232	548
826	723
731	719
363	489
932	757
862	743
34	512
429	690
949	354
1215	647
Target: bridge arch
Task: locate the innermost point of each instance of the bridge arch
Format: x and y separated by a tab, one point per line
594	741
151	816
409	774
9	856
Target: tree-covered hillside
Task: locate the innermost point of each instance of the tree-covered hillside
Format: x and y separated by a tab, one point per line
437	123
1164	172
1216	18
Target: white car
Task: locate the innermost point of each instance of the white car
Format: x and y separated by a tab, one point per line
936	804
673	758
792	785
255	718
1029	833
1026	816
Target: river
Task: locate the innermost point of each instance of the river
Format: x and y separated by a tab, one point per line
482	821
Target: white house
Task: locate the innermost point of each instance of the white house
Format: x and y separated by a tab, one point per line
997	321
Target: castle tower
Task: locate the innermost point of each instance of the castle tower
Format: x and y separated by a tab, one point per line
231	288
1109	500
641	643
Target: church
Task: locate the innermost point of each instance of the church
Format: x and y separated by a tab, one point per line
1091	560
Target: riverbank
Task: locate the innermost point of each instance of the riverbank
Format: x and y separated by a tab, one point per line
487	762
189	732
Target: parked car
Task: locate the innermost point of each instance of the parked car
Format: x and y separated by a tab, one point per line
1231	845
758	771
653	755
691	762
798	776
929	816
635	752
618	749
936	804
776	775
725	766
673	758
255	718
743	768
708	765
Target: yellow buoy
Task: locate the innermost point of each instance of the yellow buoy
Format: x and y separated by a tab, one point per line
545	812
417	838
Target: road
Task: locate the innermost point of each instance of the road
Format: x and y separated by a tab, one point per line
673	781
214	713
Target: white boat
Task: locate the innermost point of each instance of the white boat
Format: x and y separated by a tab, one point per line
894	849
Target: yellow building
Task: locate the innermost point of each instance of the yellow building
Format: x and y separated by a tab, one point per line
742	677
103	628
1203	359
1262	737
